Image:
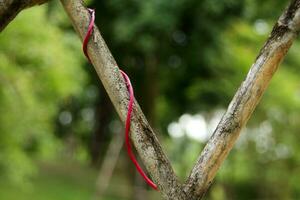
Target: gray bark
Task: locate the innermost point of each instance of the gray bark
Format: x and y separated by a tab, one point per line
144	139
142	135
224	137
244	102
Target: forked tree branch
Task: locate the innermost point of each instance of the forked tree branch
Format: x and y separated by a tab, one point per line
244	102
236	117
10	8
239	111
142	135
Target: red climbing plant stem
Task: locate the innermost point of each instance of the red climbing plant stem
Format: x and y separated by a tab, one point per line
89	33
127	130
130	105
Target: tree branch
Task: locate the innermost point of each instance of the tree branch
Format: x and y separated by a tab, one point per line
244	102
10	8
142	135
228	130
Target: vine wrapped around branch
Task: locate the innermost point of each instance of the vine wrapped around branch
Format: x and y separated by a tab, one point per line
142	135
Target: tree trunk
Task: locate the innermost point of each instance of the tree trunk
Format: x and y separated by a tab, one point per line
224	137
238	113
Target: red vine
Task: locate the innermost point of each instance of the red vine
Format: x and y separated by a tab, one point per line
89	33
130	105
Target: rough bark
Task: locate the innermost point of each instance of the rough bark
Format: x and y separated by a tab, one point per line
244	102
142	135
238	113
9	9
228	130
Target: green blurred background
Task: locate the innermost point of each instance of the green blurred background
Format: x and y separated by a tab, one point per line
60	137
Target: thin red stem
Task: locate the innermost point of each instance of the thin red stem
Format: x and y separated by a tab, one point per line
127	131
89	33
130	105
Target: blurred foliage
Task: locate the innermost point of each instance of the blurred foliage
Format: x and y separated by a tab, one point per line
183	57
41	66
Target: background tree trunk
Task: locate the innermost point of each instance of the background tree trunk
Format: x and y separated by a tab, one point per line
102	135
108	164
